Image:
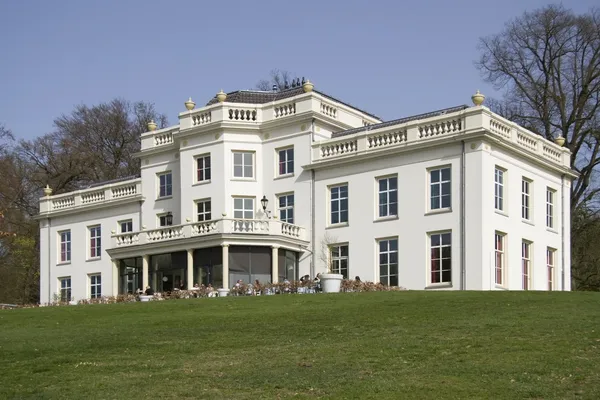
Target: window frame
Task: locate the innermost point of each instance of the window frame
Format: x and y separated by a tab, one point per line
286	209
68	289
337	269
243	209
95	237
167	194
204	213
243	165
95	287
526	199
440	258
68	250
204	169
550	268
389	251
500	255
550	208
440	183
126	222
388	193
526	264
499	189
339	200
287	162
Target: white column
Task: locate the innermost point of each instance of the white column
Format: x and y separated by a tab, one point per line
190	268
275	264
225	266
145	262
115	277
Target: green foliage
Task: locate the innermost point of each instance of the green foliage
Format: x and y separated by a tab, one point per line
385	345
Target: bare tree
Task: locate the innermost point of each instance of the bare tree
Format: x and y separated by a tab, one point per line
548	63
325	251
276	77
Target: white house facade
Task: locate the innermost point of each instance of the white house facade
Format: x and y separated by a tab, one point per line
278	185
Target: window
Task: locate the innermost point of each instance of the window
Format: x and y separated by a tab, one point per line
339	204
126	226
526	264
243	207
441	257
95	286
95	242
65	246
286	161
203	210
203	168
286	208
525	199
550	256
388	262
65	289
243	164
388	196
440	190
339	259
499	246
165	185
550	207
499	189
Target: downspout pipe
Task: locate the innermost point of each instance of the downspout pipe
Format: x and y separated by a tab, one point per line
312	201
49	257
562	231
463	196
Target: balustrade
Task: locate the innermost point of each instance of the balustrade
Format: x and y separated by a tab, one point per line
64	202
163	138
285	110
440	128
237	114
201	119
334	149
92	197
328	110
386	138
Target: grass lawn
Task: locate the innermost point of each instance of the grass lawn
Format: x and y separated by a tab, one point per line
387	345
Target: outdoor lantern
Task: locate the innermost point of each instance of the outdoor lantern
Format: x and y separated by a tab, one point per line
264	201
169	218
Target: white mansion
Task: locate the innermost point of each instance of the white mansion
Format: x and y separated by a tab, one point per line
453	199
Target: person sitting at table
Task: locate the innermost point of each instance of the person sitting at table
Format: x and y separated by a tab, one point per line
149	291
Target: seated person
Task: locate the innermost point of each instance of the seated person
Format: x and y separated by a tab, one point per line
149	291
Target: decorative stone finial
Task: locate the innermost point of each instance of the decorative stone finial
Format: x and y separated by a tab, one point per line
151	125
190	104
221	96
560	140
47	191
308	86
478	98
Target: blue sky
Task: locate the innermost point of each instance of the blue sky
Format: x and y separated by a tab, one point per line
391	58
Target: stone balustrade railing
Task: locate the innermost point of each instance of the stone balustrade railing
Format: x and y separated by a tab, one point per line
222	226
131	189
470	120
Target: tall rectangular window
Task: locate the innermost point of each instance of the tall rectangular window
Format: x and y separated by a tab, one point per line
550	262
65	289
203	168
526	199
499	189
243	164
388	196
441	257
286	161
243	207
95	286
286	208
339	204
165	184
162	220
499	246
203	210
440	188
526	264
95	241
339	259
388	262
65	246
550	195
126	226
